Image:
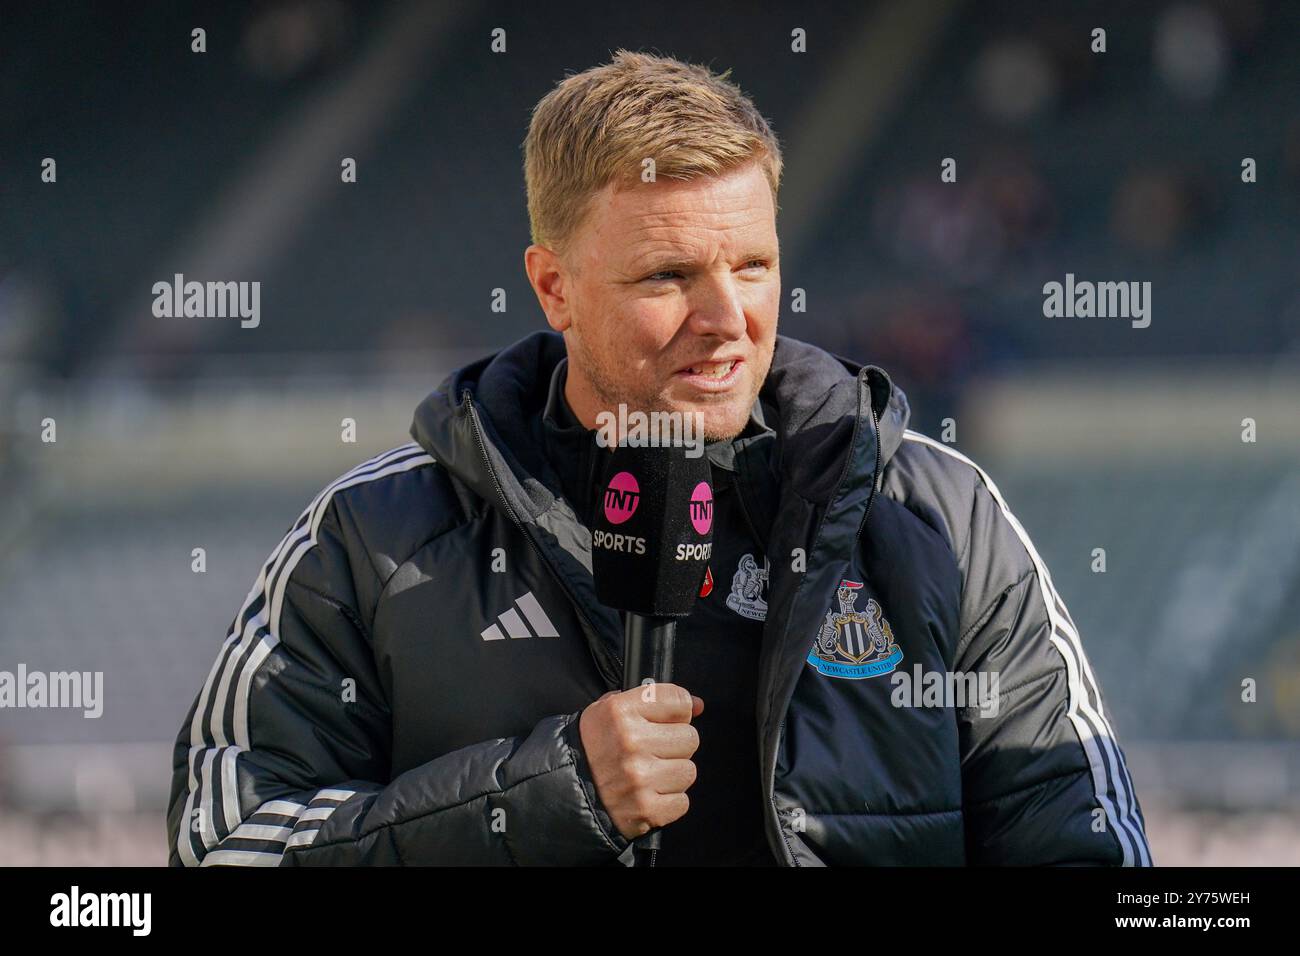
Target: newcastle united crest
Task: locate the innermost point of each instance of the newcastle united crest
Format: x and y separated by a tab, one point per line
747	587
854	644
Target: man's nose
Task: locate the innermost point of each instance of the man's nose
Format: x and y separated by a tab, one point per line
717	308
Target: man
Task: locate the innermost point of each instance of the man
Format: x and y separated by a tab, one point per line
421	673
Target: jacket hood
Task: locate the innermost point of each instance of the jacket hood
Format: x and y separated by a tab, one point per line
811	397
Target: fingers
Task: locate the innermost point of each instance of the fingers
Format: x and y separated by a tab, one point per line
674	776
675	740
667	703
658	811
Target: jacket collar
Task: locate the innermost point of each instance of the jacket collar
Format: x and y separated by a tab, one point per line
810	403
574	453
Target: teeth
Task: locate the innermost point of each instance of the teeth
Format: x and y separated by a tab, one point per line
714	370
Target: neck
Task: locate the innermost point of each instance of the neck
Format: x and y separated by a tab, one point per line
582	398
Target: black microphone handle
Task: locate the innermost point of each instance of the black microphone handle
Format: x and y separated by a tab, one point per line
648	649
647	653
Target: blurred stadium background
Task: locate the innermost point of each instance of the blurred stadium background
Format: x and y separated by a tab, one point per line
175	434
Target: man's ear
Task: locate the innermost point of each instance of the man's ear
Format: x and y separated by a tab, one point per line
548	277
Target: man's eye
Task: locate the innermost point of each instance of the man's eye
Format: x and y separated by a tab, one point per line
661	276
756	263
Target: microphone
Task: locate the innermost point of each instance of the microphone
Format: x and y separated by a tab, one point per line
651	539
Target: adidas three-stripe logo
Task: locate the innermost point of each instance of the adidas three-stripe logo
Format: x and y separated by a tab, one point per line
514	624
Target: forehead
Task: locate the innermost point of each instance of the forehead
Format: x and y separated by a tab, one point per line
735	206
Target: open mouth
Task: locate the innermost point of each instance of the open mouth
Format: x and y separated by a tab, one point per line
712	374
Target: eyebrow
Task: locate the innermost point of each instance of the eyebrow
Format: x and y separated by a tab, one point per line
652	265
655	264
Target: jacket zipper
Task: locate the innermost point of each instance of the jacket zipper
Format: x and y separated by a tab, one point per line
875	474
577	605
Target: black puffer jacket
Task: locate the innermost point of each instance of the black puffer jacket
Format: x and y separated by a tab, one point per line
403	682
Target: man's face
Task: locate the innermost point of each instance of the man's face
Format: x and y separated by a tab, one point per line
661	280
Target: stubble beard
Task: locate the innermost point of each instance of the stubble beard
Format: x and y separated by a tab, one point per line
610	393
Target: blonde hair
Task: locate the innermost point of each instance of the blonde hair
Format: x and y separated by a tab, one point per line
597	126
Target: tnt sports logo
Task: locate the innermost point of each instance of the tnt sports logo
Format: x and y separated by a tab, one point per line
702	508
622	495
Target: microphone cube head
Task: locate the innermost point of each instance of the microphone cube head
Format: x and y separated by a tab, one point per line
652	532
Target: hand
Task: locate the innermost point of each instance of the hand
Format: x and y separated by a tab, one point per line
638	744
